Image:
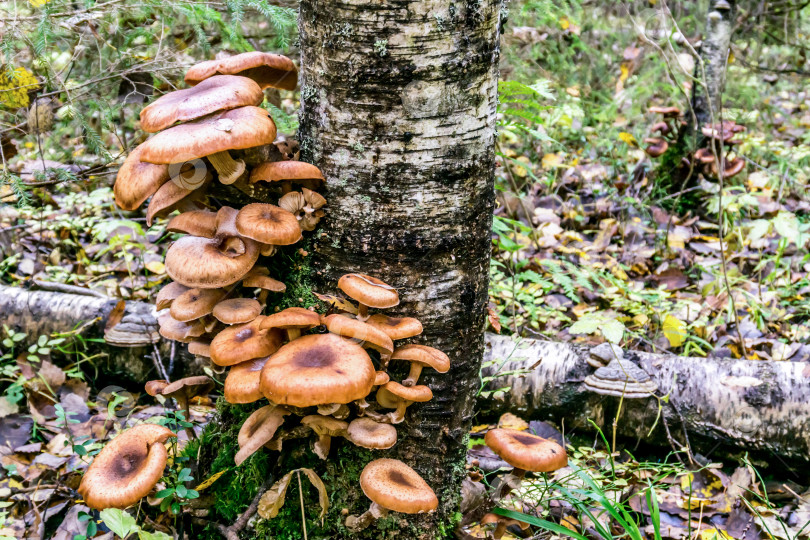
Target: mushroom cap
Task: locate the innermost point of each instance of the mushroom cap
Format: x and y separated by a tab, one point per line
668	112
656	146
366	334
155	388
242	342
266	69
299	172
381	378
195	303
422	354
127	468
180	192
236	129
392	392
188	387
138	180
171	328
214	94
704	155
526	451
621	378
396	327
294	317
325	425
237	310
258	429
395	486
316	370
210	263
732	167
200	347
194	222
368	290
373	435
242	382
168	293
258	281
268	224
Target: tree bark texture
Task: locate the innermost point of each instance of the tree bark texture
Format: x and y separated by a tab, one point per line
752	405
710	71
398	103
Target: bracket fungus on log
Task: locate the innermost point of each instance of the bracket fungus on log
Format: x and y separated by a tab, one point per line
621	378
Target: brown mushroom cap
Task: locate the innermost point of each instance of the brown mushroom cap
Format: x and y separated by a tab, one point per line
171	328
200	347
188	387
704	155
216	93
317	370
366	334
325	425
258	281
306	207
396	327
526	451
237	310
210	263
258	429
294	317
195	303
297	172
138	180
178	194
268	224
242	382
395	486
381	378
392	391
367	433
243	342
155	388
236	129
667	112
194	222
424	355
656	146
127	468
168	293
368	290
268	70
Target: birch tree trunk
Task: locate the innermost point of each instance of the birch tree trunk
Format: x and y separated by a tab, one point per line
398	102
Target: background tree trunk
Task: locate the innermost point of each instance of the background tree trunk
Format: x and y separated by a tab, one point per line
398	102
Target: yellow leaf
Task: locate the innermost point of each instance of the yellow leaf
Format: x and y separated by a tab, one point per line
210	480
510	421
674	331
550	161
625	72
37	3
565	24
714	534
628	139
156	267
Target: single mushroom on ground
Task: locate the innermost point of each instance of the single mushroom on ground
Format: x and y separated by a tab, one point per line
393	395
370	434
421	356
525	452
392	486
217	93
325	427
266	69
317	370
292	320
127	468
242	342
501	523
621	378
368	292
212	137
242	385
258	429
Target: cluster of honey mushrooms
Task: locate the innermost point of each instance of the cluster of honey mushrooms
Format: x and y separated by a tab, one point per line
318	370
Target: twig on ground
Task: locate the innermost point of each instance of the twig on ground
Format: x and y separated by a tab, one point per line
232	532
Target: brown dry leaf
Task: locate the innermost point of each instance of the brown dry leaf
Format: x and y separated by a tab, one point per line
115	316
273	499
323	496
338	302
510	421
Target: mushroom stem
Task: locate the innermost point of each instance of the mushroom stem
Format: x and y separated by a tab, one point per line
183	403
362	406
500	530
361	522
229	169
322	446
384	359
362	312
293	333
413	374
398	415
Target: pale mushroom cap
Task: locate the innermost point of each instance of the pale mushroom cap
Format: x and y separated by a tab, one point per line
257	281
325	425
294	317
200	347
195	303
171	328
316	370
422	354
210	263
217	93
396	327
268	224
188	387
168	293
418	393
237	310
526	451
395	486
258	429
194	222
367	334
177	193
369	290
138	180
243	342
291	171
236	129
266	69
242	382
367	433
127	468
